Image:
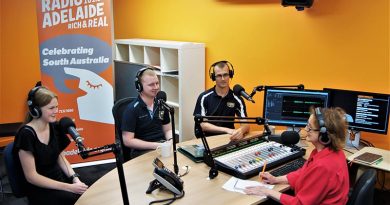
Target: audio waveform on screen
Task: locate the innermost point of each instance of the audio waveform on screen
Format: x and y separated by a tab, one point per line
298	106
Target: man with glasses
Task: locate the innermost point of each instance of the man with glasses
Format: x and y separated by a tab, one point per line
221	101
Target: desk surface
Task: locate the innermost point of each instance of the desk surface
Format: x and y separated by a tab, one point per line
5	140
383	165
198	189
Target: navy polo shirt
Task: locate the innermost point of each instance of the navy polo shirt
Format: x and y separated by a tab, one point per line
209	103
145	123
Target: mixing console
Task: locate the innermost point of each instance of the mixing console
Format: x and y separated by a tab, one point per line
246	159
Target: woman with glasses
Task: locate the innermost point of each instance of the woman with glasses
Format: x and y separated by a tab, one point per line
324	178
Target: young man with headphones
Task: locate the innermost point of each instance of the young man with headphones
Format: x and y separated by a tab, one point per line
142	129
324	177
221	101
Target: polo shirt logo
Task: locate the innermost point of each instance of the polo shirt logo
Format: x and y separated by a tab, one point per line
230	104
142	116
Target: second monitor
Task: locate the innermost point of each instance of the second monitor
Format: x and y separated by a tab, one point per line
290	107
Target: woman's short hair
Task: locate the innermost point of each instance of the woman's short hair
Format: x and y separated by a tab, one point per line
336	126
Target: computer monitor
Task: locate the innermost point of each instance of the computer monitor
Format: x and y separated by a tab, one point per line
366	111
291	107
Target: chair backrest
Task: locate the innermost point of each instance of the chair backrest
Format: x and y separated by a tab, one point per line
363	190
117	111
15	173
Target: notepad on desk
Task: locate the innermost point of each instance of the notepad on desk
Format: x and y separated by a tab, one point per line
368	158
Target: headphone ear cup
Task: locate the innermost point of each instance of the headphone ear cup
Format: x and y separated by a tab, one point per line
137	80
323	137
211	72
212	76
138	85
35	112
231	73
33	109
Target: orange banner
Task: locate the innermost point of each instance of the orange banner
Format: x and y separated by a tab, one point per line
75	46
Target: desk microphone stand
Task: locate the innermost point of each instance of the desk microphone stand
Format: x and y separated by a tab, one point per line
172	114
207	156
115	148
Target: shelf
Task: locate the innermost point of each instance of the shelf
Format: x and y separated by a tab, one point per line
122	52
171	87
136	54
152	56
169	59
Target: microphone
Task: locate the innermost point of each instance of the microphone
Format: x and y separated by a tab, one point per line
287	138
68	126
161	98
240	91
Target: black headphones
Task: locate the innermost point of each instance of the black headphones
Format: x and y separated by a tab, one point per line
137	80
212	73
33	108
323	137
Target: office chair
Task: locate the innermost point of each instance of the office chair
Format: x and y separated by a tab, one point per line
363	190
3	174
14	171
117	111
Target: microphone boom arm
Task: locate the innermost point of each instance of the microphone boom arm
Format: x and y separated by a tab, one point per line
207	156
260	88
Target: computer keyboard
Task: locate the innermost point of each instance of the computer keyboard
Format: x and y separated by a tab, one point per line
288	167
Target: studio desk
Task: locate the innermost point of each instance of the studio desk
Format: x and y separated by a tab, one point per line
198	188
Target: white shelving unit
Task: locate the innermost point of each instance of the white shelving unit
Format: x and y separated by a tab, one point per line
182	73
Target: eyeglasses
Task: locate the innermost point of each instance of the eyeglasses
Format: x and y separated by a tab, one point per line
219	76
309	129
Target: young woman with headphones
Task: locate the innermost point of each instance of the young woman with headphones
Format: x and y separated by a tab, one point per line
39	144
324	178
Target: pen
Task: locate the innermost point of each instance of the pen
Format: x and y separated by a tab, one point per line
262	172
235	186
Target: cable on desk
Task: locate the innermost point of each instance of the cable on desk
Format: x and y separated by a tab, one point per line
345	149
186	172
171	200
367	143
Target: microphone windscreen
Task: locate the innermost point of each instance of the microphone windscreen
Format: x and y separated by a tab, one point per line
275	138
65	123
237	89
289	137
161	95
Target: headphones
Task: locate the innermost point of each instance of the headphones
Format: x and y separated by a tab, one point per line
323	137
229	65
137	80
33	108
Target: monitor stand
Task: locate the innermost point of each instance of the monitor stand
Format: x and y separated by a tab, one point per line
352	139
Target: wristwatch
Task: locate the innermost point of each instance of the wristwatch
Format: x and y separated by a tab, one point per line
74	176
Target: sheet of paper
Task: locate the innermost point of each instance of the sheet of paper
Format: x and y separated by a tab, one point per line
238	185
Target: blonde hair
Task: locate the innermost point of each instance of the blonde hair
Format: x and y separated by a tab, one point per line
148	72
